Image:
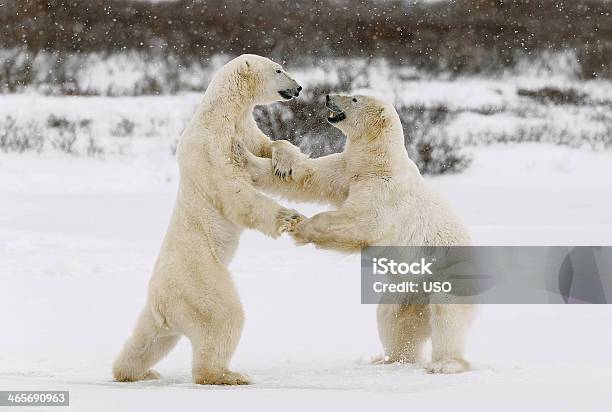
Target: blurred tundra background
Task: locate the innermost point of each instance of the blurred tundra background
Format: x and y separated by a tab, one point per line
461	73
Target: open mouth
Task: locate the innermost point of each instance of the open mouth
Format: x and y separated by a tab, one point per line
286	94
335	117
335	114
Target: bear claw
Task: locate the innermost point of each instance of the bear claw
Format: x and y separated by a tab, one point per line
287	219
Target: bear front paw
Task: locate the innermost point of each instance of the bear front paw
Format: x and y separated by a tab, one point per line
287	219
302	232
285	157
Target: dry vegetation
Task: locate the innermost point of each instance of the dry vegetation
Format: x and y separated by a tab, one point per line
463	36
45	46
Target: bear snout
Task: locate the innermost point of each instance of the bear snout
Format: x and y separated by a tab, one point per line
289	94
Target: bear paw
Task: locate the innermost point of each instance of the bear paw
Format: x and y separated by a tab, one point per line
285	157
447	366
225	377
303	232
123	376
287	219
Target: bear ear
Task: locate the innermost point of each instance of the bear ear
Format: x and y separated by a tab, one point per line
244	68
384	117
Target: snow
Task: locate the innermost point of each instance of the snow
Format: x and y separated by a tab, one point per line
79	236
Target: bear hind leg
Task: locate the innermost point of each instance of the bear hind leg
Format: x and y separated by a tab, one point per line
211	353
403	330
449	325
214	336
148	344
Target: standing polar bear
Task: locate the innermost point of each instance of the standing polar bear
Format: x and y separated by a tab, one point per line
381	200
191	292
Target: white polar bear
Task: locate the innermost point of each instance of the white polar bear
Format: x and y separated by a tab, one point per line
191	292
381	200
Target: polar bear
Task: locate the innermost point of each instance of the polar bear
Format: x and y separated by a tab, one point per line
381	200
191	292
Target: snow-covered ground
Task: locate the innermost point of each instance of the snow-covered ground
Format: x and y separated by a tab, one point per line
79	236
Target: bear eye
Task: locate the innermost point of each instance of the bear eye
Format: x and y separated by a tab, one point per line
354	100
278	71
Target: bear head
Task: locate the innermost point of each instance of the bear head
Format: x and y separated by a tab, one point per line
264	80
358	115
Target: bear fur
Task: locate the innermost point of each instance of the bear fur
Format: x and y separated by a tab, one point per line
191	292
381	200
